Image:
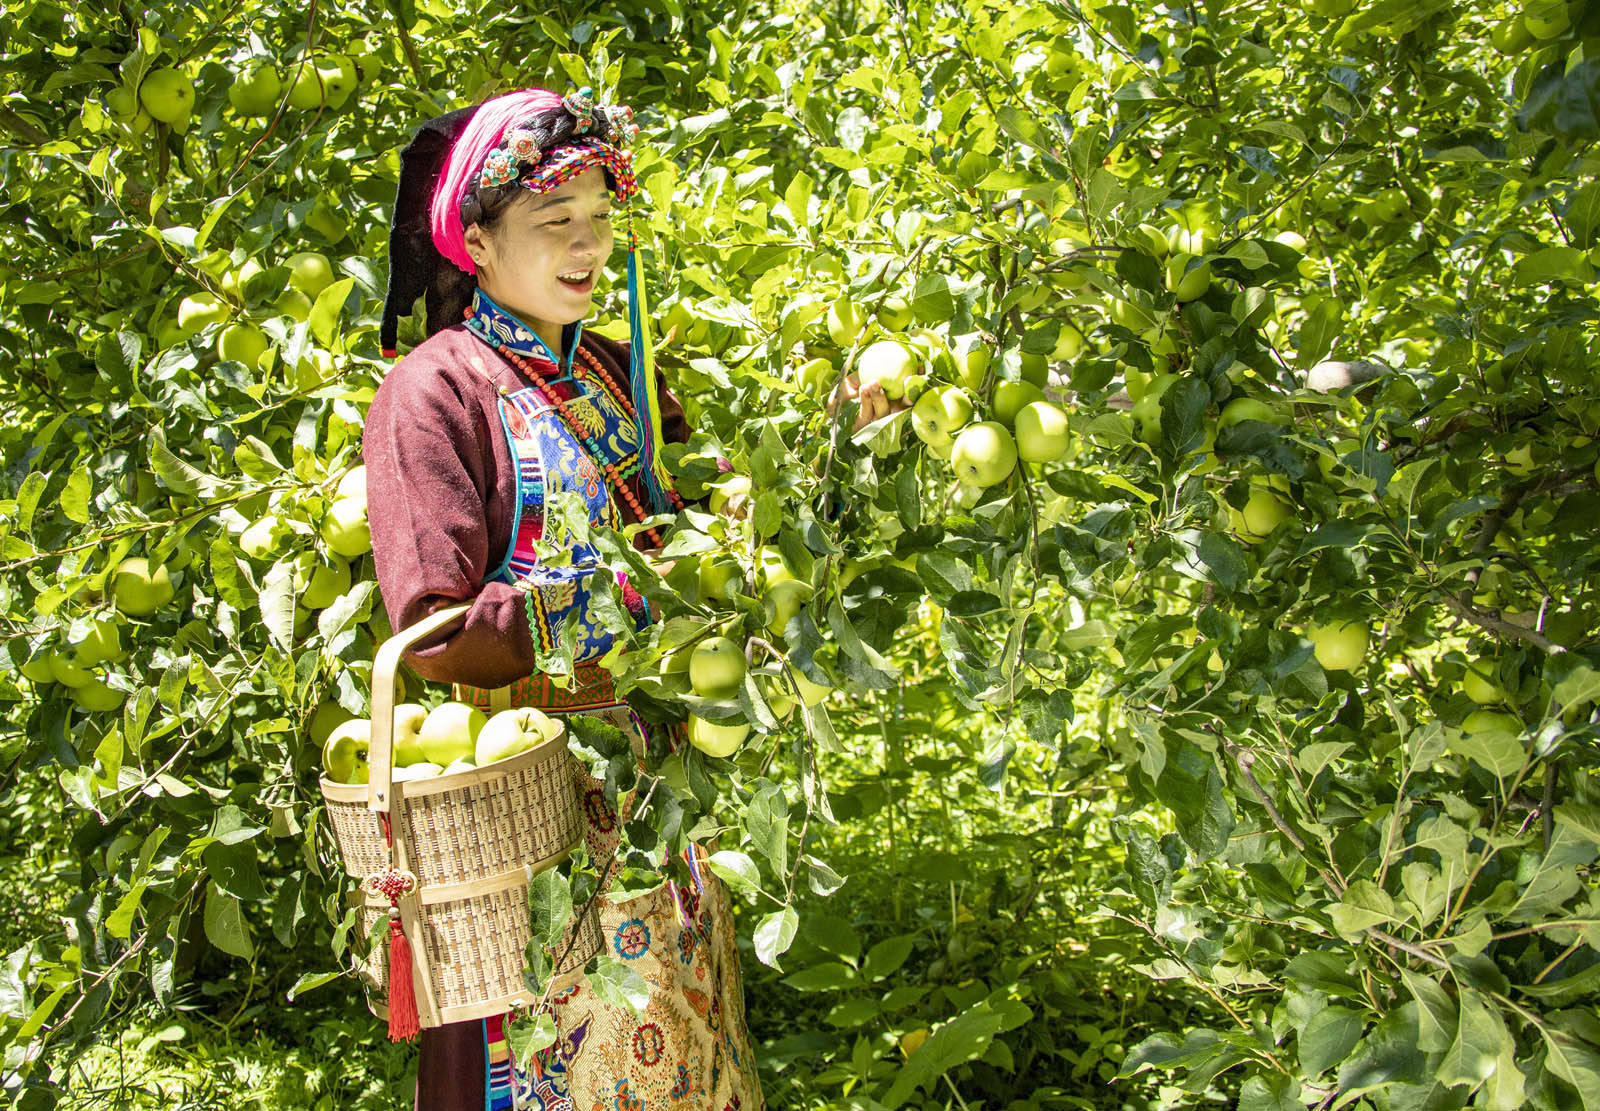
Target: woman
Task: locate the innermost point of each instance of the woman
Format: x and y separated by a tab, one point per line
504	221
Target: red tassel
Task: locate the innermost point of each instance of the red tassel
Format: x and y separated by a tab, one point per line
403	1022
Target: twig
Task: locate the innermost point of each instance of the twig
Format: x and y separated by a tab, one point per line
1502	627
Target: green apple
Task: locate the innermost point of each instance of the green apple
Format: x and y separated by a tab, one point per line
305	89
344	527
810	693
845	322
309	272
511	732
1491	721
292	303
1481	682
889	363
1248	408
716	668
338	75
168	96
786	599
938	415
97	696
1042	434
716	740
327	717
973	366
98	642
1035	368
255	92
984	454
1339	645
1147	410
1187	282
261	539
408	719
321	582
233	281
731	495
242	343
422	769
66	669
38	669
1519	460
353	483
771	567
139	591
450	731
1070	343
344	754
1131	315
201	310
1544	19
1511	35
122	104
895	314
1264	510
461	765
1010	398
815	376
720	576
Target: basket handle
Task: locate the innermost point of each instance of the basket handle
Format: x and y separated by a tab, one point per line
380	754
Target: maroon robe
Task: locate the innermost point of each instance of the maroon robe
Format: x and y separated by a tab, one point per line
441	489
441	492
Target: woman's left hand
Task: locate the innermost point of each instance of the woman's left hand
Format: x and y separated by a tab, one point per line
875	404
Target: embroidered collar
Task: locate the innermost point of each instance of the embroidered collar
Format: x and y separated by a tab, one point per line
499	328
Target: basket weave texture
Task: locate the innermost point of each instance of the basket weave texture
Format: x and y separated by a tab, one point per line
470	839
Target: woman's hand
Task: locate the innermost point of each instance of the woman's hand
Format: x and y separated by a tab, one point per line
875	404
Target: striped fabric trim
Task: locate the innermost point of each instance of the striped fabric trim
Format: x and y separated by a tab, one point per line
591	689
505	1086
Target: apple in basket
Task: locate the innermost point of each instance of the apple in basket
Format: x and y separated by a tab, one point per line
512	731
449	732
408	719
421	770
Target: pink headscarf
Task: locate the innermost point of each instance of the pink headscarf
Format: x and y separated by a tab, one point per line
484	132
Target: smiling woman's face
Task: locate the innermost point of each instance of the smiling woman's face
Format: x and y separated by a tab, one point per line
541	259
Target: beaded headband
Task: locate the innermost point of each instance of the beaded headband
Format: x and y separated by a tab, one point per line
518	157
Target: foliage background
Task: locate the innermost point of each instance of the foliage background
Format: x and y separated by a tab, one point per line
1109	830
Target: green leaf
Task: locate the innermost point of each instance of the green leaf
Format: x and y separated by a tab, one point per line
119	923
774	934
1481	1038
886	957
617	984
1437	1017
1574	1062
1554	264
964	1038
737	869
828	976
1497	751
1363	905
310	981
531	1034
766	820
324	318
1328	1039
225	926
550	905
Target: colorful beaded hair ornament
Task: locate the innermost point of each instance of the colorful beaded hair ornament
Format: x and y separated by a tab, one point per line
445	182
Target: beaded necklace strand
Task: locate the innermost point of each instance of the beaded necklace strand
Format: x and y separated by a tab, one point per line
618	481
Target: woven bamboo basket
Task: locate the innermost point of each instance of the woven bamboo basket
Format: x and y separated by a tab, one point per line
455	864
